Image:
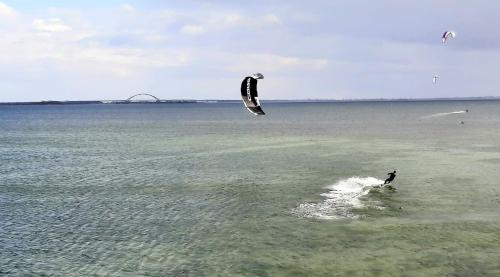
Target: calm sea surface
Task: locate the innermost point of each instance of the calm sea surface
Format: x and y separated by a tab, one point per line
210	190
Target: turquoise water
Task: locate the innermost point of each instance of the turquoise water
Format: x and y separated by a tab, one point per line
210	190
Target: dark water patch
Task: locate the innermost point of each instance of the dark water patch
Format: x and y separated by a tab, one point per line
491	161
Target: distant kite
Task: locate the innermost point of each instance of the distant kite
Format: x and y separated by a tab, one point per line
447	35
249	93
434	79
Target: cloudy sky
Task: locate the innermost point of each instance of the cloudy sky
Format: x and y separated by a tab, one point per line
83	50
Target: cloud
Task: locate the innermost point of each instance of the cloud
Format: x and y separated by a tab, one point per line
231	21
120	62
127	8
271	18
51	25
7	12
232	18
218	21
69	54
246	62
192	30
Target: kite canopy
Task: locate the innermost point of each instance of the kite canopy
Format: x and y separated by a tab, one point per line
257	76
447	35
249	94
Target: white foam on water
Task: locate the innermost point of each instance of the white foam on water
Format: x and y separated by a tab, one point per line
340	200
443	114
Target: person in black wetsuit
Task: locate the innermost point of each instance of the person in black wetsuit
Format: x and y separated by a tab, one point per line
392	175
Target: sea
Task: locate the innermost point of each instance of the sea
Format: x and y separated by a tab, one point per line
208	189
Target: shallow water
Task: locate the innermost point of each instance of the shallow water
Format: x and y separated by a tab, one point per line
210	190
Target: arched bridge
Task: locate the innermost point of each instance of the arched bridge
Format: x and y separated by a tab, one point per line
156	99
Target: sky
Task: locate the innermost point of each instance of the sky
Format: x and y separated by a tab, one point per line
188	49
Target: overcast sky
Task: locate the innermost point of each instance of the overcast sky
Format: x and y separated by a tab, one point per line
83	50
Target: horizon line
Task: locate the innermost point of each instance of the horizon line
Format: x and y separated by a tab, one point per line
262	100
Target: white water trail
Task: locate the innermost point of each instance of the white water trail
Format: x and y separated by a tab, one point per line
444	114
342	198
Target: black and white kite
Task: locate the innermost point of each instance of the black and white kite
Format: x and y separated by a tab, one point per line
447	35
249	93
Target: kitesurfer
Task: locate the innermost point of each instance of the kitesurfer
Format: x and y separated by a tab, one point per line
392	175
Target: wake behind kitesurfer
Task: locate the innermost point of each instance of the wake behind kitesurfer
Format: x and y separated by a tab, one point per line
392	175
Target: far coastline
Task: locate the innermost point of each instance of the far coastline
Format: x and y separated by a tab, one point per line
190	101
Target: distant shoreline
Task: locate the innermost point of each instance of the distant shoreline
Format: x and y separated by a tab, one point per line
188	101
